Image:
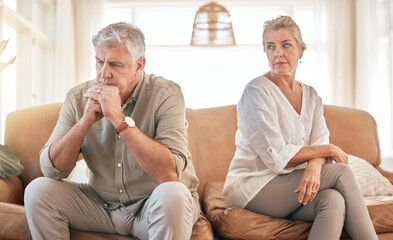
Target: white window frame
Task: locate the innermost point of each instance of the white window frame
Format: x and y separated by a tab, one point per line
29	35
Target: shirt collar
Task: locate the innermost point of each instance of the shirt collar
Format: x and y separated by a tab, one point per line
135	93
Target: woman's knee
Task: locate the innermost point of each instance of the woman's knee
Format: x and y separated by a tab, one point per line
331	200
335	172
338	168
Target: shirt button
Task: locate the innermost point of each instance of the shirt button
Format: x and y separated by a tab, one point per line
302	138
270	150
119	165
120	190
106	205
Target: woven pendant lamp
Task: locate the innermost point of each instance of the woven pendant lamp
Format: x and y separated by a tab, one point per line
212	26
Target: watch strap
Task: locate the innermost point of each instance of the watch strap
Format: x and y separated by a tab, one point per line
123	126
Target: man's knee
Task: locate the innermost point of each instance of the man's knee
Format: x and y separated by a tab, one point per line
173	193
172	212
42	191
37	189
35	194
174	197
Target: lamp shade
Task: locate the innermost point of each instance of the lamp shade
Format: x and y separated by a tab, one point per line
212	26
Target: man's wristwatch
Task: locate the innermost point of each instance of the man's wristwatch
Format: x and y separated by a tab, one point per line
127	123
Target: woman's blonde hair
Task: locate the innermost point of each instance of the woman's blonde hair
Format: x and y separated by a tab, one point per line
284	22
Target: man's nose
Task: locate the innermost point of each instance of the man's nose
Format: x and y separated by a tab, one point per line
105	71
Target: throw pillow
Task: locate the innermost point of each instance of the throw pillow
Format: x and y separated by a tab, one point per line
9	163
371	182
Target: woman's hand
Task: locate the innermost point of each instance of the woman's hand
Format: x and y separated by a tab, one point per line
309	184
337	154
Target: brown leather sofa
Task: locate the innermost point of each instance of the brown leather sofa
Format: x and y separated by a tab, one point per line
211	137
211	142
27	130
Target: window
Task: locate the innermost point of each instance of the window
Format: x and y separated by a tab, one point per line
217	76
382	88
214	76
28	24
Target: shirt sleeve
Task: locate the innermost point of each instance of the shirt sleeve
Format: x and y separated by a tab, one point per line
258	119
319	133
171	130
64	124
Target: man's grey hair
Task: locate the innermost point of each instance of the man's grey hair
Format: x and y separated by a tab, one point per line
284	22
121	33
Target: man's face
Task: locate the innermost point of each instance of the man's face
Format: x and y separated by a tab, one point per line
114	67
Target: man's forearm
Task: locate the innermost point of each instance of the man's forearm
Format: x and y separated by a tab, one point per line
65	150
154	158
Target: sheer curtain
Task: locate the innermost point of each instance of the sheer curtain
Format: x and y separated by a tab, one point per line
360	57
374	68
341	50
76	22
89	15
64	74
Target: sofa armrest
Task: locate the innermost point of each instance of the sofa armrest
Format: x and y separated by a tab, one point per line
11	190
387	174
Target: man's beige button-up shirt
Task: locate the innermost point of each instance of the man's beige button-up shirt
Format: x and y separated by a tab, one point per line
157	107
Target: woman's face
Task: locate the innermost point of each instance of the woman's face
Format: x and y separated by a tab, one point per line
283	51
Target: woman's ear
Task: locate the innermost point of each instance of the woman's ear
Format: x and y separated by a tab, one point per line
301	54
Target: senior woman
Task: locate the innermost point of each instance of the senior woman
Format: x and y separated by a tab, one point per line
280	167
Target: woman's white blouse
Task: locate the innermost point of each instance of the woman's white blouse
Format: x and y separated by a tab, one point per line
270	132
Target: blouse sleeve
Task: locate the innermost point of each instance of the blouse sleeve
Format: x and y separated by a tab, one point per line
319	132
258	121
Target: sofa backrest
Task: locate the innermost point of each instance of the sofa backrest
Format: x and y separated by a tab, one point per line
354	131
211	141
211	135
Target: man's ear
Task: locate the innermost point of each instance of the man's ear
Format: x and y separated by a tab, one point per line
140	65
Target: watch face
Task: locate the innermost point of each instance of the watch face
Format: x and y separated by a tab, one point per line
130	122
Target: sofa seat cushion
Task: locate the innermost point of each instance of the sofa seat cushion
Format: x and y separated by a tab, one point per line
13	225
238	223
381	212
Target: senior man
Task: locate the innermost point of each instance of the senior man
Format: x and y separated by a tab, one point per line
131	129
